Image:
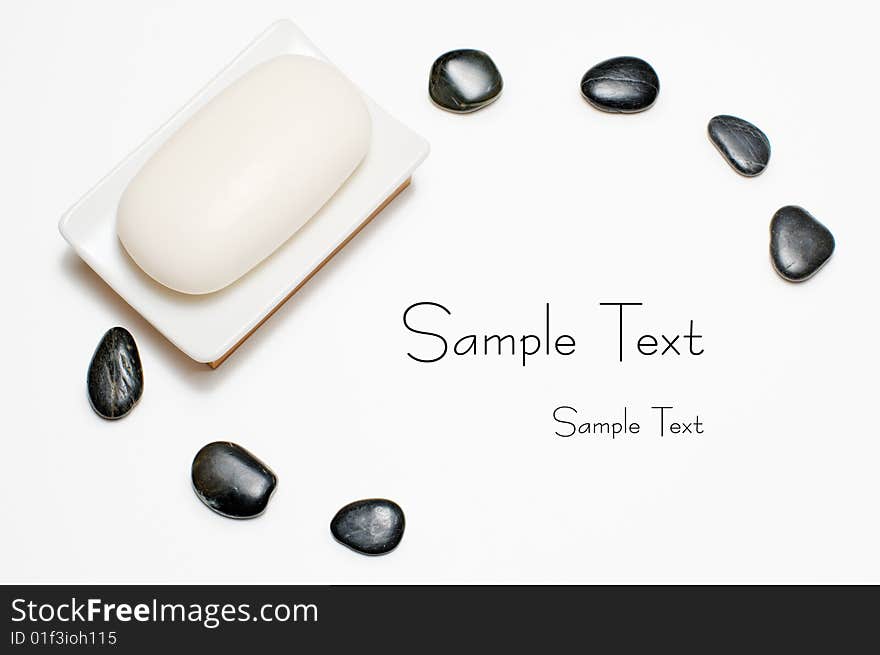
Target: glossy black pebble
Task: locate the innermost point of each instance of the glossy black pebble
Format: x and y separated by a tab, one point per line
115	380
231	481
623	85
799	244
744	146
464	80
373	526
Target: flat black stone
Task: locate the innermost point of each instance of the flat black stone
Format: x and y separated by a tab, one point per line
799	244
373	526
463	81
623	85
115	380
231	481
744	146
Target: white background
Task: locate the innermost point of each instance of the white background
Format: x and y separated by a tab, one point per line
536	198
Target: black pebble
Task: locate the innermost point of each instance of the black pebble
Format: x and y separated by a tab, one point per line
799	244
744	146
622	85
464	80
231	481
115	380
373	526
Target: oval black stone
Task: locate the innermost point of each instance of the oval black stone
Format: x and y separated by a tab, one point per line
463	81
373	526
231	481
799	244
623	85
744	146
115	380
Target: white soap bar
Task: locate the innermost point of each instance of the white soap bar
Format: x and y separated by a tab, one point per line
243	174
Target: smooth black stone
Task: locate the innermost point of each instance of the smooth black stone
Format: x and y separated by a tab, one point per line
799	244
623	85
464	80
231	481
373	526
115	380
744	146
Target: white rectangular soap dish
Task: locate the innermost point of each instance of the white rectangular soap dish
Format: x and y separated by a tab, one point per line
208	328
